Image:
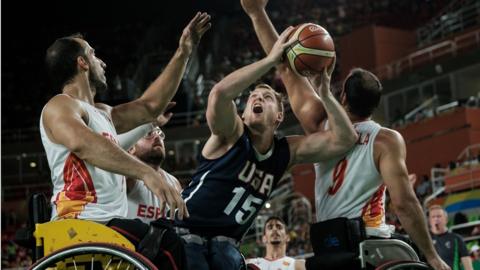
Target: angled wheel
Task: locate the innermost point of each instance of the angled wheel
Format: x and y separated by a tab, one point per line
403	265
93	256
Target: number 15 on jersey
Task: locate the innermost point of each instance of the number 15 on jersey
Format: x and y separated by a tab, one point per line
249	207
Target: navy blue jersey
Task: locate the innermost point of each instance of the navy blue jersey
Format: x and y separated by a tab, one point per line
226	193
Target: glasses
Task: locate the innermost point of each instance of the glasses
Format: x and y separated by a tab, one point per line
155	132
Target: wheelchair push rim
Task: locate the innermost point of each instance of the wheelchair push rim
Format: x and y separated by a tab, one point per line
69	254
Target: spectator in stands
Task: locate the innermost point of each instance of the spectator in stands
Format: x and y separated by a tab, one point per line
475	256
475	253
450	246
424	188
276	239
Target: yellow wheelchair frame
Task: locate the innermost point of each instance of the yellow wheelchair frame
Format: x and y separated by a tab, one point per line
54	235
80	244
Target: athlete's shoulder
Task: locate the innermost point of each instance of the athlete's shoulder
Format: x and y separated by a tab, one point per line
104	107
62	100
389	136
62	105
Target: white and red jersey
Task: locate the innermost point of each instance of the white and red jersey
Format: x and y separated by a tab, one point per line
81	190
285	263
143	204
351	186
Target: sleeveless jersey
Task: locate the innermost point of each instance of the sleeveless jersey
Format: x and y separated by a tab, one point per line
227	193
81	190
285	263
143	204
352	187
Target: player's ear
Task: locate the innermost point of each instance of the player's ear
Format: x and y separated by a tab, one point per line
83	63
264	239
132	150
280	117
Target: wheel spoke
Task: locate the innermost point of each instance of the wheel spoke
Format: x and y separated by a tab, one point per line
98	256
108	264
120	263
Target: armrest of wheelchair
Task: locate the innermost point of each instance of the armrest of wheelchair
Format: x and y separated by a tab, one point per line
59	234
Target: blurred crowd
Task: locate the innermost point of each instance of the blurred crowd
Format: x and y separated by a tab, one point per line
13	255
233	45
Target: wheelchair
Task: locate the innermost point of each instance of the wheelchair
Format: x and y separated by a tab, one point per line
388	254
76	244
373	254
343	244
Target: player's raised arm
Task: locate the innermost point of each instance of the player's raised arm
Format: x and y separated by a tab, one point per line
323	145
157	96
305	103
222	115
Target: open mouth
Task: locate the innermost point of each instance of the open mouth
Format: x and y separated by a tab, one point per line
257	108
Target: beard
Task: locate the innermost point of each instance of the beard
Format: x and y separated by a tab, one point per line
154	158
99	85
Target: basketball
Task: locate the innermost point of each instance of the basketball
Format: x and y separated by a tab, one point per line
312	52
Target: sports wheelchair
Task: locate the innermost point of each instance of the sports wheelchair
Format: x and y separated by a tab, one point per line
342	244
76	244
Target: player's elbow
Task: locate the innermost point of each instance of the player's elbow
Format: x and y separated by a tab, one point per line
152	108
217	95
345	142
218	92
350	138
80	148
83	147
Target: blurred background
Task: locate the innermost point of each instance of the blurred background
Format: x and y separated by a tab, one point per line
426	53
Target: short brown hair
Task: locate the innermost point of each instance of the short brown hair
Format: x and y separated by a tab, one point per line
61	60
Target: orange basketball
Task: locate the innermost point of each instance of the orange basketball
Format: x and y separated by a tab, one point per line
313	50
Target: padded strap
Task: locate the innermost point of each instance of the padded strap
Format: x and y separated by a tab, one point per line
150	244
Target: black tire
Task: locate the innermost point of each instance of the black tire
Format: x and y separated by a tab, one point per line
403	265
116	253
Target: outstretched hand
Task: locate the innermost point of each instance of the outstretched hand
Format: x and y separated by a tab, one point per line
282	43
194	31
167	194
321	81
163	118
